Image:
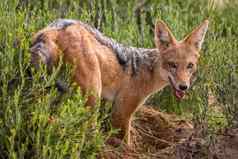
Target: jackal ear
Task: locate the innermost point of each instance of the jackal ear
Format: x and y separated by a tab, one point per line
163	36
197	36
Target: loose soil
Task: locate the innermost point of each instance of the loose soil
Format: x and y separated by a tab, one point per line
157	135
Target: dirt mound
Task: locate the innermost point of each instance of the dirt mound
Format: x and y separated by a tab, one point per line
153	130
157	135
223	145
153	134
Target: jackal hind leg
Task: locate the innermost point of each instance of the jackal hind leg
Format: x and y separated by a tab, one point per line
90	84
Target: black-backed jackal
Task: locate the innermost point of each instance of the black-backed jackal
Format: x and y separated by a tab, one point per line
124	75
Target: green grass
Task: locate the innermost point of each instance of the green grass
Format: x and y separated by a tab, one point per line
27	104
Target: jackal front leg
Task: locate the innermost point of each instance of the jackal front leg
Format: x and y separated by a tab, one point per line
122	112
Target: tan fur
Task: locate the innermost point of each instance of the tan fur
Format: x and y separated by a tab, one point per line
96	68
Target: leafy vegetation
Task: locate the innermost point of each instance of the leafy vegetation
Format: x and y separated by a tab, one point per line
37	121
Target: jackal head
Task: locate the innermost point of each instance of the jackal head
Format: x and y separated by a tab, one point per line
178	59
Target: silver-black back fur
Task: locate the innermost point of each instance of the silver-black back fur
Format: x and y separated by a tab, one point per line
126	55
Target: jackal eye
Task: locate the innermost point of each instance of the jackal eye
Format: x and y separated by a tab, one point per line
172	65
190	66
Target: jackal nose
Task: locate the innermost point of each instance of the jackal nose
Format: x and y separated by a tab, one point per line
183	87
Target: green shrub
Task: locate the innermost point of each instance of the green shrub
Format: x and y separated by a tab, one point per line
37	121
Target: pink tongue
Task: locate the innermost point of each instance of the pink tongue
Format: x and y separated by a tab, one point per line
179	94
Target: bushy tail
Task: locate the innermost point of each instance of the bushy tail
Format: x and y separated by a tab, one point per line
44	47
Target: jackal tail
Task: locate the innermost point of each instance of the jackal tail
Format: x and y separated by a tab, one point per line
44	45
